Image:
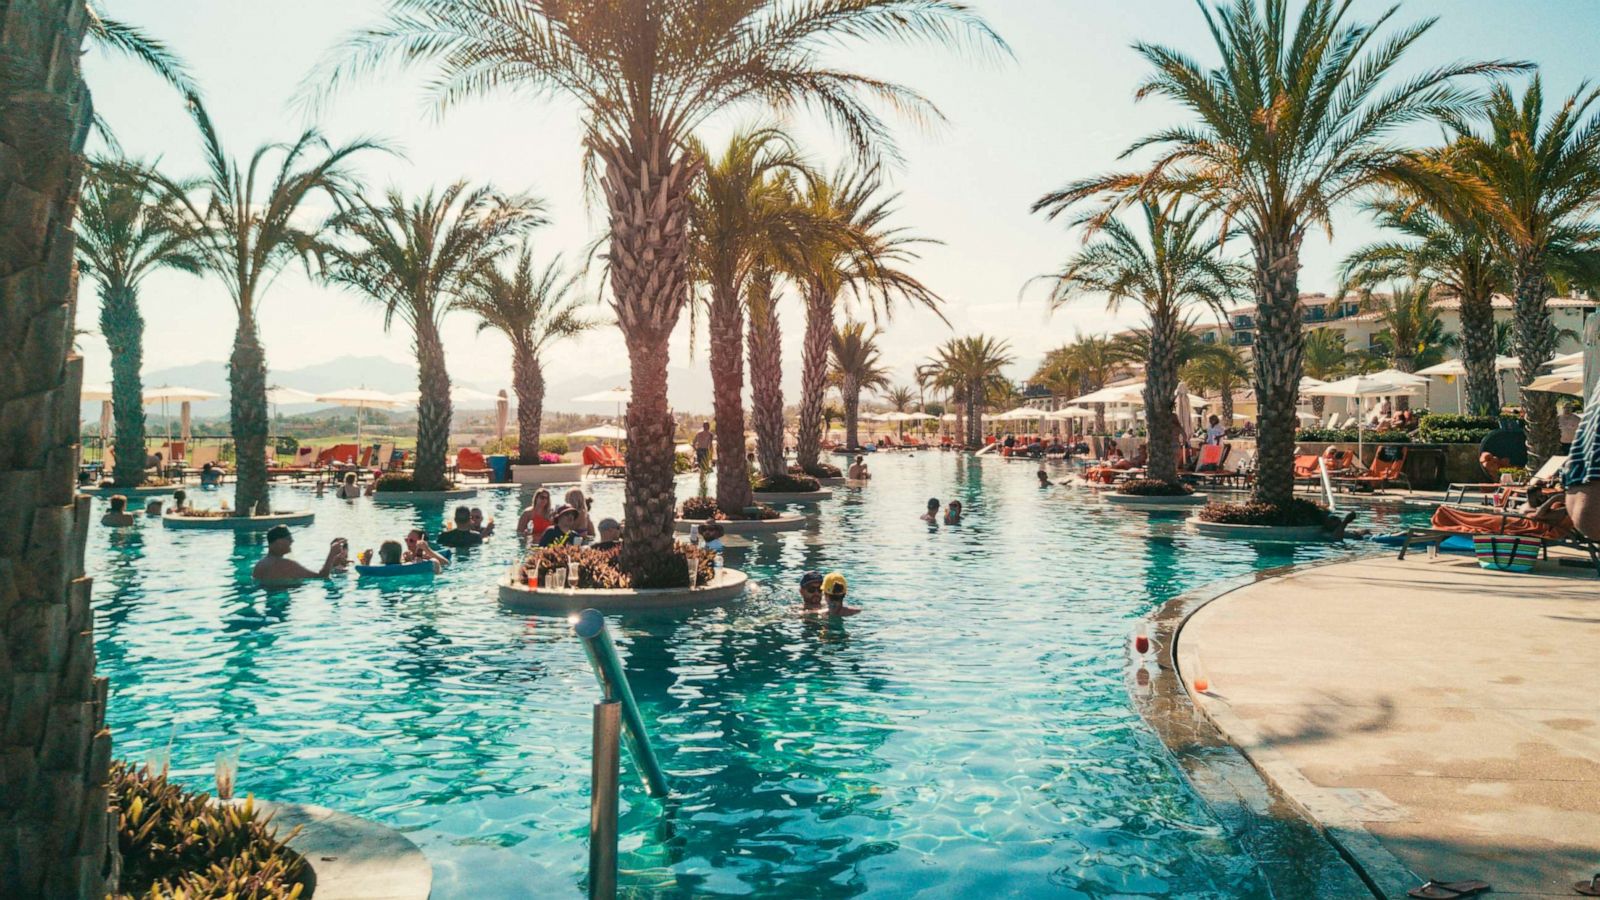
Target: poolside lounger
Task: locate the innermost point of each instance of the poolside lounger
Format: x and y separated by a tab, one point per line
470	461
1388	467
1507	523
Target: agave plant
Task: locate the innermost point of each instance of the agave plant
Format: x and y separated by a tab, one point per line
646	76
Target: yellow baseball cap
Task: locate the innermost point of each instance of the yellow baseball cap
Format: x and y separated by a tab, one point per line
834	583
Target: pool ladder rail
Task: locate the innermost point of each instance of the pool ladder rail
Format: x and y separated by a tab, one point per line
616	717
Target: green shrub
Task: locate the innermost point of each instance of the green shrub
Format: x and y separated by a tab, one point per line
286	445
681	463
1444	428
820	470
700	509
786	484
180	844
395	481
1349	436
1149	487
673	571
554	443
1296	514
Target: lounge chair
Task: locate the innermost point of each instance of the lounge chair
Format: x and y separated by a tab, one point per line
300	467
1388	467
1500	493
470	461
1449	521
1211	466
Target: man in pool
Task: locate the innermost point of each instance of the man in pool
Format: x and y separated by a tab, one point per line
858	470
462	535
277	567
834	589
1044	478
117	516
610	535
811	592
932	515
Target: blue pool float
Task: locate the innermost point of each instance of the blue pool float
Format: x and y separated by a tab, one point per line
421	567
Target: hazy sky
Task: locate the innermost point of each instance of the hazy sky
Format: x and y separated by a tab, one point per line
1061	109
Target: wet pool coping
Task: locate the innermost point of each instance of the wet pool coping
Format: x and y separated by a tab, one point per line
1302	849
353	858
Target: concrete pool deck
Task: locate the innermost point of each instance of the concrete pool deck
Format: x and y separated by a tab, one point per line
1438	719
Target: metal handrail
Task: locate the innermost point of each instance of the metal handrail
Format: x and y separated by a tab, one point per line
590	626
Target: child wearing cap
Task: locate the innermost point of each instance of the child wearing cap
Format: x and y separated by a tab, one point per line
834	588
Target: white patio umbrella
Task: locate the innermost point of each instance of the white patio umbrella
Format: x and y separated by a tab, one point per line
617	395
461	397
1129	393
602	432
1361	387
1457	369
278	395
1565	380
182	395
92	392
1019	414
360	400
502	412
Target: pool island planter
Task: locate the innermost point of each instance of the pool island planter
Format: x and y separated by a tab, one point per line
784	522
1156	502
396	498
547	473
143	490
1282	534
793	496
352	858
728	585
236	523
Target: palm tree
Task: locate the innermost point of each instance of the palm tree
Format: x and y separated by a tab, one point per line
416	259
1086	365
860	255
1326	358
533	309
740	212
1290	123
1450	247
1543	177
1221	373
646	76
856	366
901	399
766	371
1172	270
57	749
1413	334
126	230
117	36
245	237
972	367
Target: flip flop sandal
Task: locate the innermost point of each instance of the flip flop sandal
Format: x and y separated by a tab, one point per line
1449	890
1590	888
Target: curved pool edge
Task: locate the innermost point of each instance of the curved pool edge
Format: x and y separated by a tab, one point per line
353	858
1250	792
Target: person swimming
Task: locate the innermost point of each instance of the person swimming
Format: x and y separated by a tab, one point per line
834	589
117	516
1044	478
811	592
952	513
932	515
277	567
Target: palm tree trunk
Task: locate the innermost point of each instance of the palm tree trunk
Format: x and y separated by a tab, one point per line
433	411
1227	404
123	327
974	415
1277	365
766	380
813	378
726	323
527	378
56	750
850	392
1478	353
247	412
1535	342
1404	363
647	191
1160	390
1099	417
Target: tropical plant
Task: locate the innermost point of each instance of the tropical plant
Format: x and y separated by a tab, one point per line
1086	365
1449	246
766	371
1292	121
859	256
1221	373
416	259
117	36
126	230
533	309
54	778
856	366
1325	358
1542	175
1169	269
971	367
1413	335
739	217
245	226
646	76
902	399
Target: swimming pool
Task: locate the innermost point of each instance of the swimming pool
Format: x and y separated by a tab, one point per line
970	731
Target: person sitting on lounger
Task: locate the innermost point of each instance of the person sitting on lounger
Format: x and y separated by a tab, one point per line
932	515
1505	447
952	513
462	534
117	516
858	470
277	568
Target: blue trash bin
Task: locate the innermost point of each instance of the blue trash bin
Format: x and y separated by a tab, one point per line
501	466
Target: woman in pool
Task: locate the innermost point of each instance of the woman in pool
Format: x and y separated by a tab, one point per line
585	525
349	490
952	513
390	554
535	519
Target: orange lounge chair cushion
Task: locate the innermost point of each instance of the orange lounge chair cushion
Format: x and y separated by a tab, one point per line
1463	521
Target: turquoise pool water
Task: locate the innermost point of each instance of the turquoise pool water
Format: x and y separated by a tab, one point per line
970	731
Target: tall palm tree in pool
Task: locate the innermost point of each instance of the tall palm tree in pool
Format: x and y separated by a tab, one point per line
245	224
1168	271
533	309
973	365
1543	179
645	76
1326	358
1293	120
56	747
856	366
741	209
1447	243
416	259
860	256
1221	373
127	228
